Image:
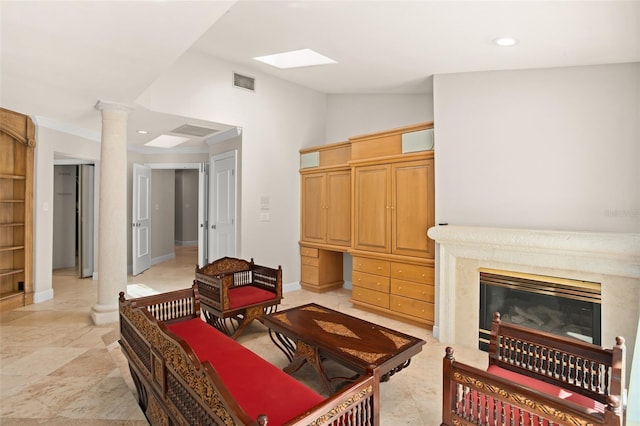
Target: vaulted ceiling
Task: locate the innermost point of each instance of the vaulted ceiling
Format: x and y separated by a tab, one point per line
59	58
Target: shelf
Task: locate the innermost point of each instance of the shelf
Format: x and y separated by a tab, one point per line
14	177
11	294
11	201
10	248
8	225
7	272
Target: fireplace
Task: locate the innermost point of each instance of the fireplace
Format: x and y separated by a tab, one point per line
611	259
569	308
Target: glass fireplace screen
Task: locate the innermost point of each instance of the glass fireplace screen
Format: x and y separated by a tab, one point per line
564	307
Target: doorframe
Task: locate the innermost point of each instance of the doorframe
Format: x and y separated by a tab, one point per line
69	160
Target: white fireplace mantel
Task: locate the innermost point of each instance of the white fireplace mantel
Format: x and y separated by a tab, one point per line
608	254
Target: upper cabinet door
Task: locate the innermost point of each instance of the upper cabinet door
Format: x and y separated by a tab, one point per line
338	211
313	216
372	205
412	212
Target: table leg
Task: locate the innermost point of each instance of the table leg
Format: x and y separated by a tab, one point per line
307	353
286	345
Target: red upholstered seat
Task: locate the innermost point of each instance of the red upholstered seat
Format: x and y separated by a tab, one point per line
248	295
547	388
492	406
258	386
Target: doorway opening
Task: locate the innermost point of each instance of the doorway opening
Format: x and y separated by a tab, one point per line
73	219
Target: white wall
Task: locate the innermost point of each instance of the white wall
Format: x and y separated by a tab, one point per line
48	142
546	149
276	121
353	115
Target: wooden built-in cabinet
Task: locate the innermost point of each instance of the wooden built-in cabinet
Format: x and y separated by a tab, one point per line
325	220
326	207
390	203
17	142
393	207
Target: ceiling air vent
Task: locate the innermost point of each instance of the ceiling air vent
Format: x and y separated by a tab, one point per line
193	130
244	82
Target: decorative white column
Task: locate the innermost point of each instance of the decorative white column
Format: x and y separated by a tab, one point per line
112	227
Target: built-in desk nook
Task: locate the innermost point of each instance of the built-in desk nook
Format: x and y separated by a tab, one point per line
372	197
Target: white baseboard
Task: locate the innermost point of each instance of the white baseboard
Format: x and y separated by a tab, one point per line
42	296
161	259
291	287
186	243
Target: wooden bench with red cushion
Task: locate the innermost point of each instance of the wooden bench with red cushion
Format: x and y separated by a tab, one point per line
257	386
187	372
536	378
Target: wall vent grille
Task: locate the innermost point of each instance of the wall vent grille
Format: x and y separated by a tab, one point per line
193	130
244	82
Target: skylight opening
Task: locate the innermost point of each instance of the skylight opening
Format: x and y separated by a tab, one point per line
295	59
166	141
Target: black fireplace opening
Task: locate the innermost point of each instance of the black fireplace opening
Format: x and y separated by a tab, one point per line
563	307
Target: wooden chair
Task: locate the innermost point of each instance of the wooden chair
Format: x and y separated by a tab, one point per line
234	292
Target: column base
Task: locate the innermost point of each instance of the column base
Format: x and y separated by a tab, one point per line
105	314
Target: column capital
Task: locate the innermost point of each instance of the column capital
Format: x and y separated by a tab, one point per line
112	106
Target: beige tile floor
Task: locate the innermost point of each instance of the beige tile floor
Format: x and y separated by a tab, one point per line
57	368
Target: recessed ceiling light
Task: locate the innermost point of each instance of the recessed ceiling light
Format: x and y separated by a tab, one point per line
142	132
505	41
295	59
166	141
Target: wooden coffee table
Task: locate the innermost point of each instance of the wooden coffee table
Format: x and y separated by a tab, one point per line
311	333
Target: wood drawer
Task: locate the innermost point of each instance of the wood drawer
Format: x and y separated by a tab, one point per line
370	281
407	271
309	251
310	261
371	266
412	307
371	297
413	290
309	274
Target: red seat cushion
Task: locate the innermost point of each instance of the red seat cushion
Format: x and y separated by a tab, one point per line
248	295
547	388
258	386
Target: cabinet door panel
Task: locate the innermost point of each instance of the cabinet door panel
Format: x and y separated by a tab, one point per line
312	208
372	204
412	184
338	211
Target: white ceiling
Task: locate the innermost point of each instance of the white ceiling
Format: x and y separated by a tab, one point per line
59	58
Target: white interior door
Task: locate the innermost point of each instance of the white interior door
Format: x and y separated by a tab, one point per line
203	222
222	206
141	219
85	219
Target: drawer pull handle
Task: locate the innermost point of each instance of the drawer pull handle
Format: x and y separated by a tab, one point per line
399	287
423	293
379	267
399	271
423	275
